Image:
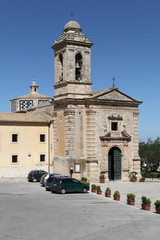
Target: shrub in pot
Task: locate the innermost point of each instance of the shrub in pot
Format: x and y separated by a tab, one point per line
116	195
93	188
108	192
102	178
142	179
84	180
131	198
157	206
133	176
99	191
146	203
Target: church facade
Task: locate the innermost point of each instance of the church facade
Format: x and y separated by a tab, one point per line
89	132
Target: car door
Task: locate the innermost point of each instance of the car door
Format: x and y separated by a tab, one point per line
76	185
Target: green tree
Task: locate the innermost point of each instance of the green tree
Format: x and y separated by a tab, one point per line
150	151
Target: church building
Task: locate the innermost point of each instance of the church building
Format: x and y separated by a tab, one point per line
86	132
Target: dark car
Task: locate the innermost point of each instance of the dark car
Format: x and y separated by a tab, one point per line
35	175
51	178
42	179
45	177
68	184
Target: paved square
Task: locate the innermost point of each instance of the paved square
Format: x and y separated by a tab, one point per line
28	212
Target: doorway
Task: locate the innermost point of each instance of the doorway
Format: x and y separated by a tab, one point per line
114	164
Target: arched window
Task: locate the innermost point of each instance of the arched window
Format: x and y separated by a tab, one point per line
78	66
61	67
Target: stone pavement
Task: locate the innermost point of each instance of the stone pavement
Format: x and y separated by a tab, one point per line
28	212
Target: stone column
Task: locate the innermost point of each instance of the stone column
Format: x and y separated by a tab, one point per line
92	162
55	136
136	158
69	132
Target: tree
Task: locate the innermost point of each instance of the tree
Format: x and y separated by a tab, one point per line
150	152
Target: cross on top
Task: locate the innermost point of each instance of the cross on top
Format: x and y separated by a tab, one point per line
113	81
72	14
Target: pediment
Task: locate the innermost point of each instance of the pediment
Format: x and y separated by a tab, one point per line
120	136
112	94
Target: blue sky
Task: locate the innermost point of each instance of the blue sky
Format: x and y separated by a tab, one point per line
126	37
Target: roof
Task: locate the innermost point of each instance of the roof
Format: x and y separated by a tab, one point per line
112	94
31	96
25	117
72	25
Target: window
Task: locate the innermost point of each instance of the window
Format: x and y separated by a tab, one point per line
78	66
42	137
42	101
114	126
25	104
77	168
14	158
74	181
60	67
14	137
42	157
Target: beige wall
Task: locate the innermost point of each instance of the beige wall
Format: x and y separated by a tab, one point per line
28	148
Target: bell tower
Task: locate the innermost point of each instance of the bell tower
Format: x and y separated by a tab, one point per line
72	65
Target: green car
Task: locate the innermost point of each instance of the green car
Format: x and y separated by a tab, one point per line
66	184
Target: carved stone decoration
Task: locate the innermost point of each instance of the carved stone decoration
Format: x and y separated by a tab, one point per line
54	114
119	136
90	112
115	117
69	112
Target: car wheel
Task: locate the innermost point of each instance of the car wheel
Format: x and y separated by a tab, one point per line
34	180
63	190
84	190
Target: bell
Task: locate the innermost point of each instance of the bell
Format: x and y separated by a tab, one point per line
77	65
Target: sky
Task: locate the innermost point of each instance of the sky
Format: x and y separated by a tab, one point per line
126	37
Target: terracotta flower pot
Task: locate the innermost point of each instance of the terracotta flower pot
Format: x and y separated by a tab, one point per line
131	202
107	195
141	180
117	198
157	210
99	192
102	180
133	180
94	190
146	207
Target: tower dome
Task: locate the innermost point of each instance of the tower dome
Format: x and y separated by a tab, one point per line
72	25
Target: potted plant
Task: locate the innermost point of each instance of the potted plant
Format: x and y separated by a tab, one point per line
142	179
146	203
99	191
157	206
84	180
102	178
116	195
133	176
131	198
108	192
94	188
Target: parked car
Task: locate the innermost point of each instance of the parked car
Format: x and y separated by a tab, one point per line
44	178
51	178
68	184
35	175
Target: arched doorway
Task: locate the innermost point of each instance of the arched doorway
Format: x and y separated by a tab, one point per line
114	164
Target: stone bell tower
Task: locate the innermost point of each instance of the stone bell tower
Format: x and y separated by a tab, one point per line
72	63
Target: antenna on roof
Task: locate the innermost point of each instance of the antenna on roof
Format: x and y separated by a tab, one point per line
113	82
